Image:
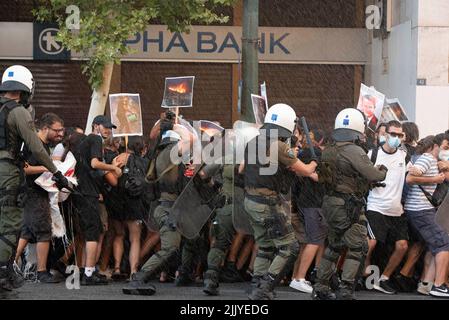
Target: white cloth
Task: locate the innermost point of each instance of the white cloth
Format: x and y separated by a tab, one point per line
58	152
387	200
67	168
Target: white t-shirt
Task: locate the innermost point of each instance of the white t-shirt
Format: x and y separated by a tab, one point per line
388	200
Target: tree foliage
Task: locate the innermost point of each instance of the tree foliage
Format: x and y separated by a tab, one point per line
105	25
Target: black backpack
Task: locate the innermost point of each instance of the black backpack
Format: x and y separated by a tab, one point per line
132	180
6	105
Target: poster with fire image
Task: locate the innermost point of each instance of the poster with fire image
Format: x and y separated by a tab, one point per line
126	114
178	92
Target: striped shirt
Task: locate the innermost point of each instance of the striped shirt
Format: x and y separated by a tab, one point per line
416	199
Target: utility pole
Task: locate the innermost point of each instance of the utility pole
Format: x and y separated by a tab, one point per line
250	59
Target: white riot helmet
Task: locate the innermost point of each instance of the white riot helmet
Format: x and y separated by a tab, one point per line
350	125
17	78
282	117
169	136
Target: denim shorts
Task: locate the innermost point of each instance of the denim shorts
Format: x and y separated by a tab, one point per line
435	237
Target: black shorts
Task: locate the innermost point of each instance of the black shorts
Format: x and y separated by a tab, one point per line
88	211
315	226
382	227
36	218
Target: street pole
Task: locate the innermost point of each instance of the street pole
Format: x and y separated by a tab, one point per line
250	59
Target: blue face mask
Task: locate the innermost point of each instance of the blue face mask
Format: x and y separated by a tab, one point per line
393	142
382	140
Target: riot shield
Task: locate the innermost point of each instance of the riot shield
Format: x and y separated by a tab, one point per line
242	133
149	220
442	215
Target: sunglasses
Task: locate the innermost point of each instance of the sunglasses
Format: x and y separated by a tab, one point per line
57	130
394	134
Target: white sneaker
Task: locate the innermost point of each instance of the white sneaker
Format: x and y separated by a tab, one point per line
424	289
301	285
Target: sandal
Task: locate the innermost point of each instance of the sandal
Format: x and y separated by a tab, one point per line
117	275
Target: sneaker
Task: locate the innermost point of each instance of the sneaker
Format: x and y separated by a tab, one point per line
47	277
385	286
301	285
441	291
405	284
424	288
94	280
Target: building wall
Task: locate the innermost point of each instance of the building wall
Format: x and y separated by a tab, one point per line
60	88
316	91
417	48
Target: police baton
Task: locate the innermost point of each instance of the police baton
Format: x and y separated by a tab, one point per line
306	131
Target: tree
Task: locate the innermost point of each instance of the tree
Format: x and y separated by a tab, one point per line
105	25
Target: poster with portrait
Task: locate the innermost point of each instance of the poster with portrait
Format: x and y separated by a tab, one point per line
126	114
178	92
371	103
259	108
393	110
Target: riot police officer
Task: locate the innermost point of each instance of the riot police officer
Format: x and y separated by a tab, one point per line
347	173
270	221
16	129
170	177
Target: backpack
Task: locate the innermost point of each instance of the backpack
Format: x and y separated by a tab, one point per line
327	168
132	180
6	106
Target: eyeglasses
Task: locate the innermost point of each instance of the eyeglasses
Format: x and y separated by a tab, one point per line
57	130
394	134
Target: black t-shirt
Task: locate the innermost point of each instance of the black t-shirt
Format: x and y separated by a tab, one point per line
306	192
33	162
89	179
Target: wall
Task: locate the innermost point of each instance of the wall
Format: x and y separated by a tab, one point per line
417	48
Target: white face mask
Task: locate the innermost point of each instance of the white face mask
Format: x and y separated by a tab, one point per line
382	140
444	155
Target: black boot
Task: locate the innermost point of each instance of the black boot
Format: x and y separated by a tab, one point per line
230	274
183	279
323	295
264	289
211	283
9	279
139	286
345	291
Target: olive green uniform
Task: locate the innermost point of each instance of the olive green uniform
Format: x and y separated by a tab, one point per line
343	209
20	128
271	224
222	230
170	237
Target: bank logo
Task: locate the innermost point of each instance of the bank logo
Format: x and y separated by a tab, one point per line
48	43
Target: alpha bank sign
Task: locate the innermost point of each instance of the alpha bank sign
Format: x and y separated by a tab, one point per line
201	44
276	45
